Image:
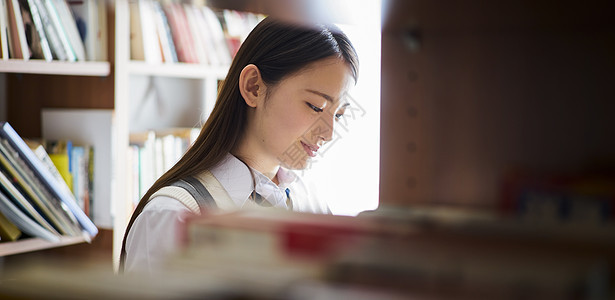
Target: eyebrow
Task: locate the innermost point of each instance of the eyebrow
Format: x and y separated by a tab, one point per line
327	97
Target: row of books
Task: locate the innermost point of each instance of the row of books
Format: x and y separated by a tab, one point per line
53	30
152	153
34	200
173	32
583	197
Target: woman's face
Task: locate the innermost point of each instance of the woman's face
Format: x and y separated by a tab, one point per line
299	114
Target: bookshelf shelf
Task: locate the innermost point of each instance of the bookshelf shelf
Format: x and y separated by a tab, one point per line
35	66
34	244
178	70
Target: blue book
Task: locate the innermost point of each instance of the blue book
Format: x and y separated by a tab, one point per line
39	169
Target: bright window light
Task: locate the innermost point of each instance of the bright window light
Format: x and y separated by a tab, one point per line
346	174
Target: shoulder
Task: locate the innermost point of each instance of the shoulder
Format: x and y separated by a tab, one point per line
153	235
160	212
164	203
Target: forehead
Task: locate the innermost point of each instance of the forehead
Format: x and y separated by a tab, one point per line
331	76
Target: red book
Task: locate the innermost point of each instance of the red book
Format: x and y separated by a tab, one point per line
184	45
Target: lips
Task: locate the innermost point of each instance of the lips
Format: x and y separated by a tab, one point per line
310	149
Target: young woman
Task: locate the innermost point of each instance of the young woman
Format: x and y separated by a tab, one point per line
278	105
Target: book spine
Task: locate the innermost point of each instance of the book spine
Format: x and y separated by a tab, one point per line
89	203
67	20
57	25
164	32
14	44
21	32
179	42
208	41
79	161
151	43
4	34
137	51
194	31
57	48
85	18
40	30
217	35
101	31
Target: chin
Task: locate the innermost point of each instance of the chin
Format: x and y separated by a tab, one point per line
296	164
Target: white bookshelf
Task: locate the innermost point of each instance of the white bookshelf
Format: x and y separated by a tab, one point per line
177	70
127	73
36	66
52	68
35	244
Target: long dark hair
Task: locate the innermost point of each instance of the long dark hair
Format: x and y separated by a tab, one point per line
278	49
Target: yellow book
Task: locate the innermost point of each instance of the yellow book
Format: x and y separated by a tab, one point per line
8	230
61	161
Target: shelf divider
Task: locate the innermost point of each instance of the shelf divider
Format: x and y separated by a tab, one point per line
178	70
37	66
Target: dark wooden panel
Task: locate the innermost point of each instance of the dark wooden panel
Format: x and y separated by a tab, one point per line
474	89
28	93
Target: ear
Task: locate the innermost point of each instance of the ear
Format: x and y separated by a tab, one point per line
251	85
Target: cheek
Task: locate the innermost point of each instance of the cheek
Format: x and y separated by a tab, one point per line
289	125
293	125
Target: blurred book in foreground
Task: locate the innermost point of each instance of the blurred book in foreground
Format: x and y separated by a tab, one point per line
400	253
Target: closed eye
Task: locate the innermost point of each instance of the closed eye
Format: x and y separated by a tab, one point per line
313	107
341	112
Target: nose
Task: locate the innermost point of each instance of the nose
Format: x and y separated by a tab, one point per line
325	129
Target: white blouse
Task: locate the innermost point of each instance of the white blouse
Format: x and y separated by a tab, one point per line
148	243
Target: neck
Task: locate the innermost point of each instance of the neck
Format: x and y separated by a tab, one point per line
257	160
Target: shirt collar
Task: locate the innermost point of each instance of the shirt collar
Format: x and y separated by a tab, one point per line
236	179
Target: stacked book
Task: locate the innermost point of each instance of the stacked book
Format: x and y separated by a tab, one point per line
183	32
33	200
53	30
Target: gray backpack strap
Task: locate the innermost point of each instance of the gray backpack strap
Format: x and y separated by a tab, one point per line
198	191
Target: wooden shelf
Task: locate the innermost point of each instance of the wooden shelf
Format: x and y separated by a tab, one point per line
34	244
35	66
179	70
